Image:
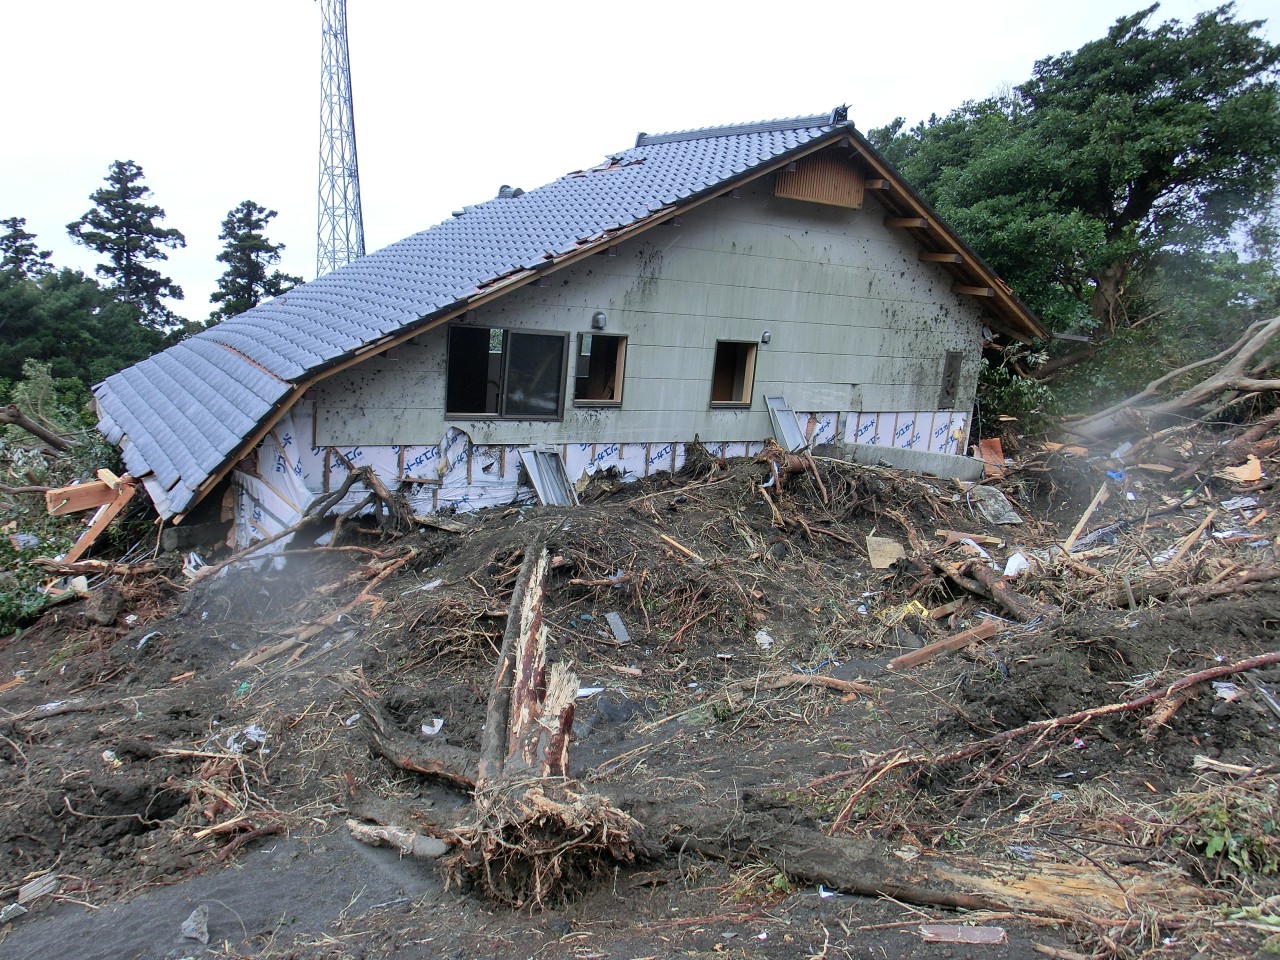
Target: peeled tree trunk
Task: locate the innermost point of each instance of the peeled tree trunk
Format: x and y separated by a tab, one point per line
1238	374
1108	291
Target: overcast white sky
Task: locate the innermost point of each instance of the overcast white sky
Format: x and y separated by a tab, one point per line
219	101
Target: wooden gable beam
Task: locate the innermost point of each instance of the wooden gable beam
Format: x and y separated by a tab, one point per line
973	291
899	199
930	256
910	223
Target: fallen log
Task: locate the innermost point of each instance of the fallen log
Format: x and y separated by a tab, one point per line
537	836
1040	729
13	415
976	577
437	759
1065	891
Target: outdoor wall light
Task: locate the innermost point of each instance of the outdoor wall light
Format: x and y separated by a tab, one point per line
598	320
766	337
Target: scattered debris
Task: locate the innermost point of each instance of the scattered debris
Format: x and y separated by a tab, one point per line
954	933
884	552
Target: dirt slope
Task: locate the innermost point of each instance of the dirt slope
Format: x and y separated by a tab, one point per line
202	746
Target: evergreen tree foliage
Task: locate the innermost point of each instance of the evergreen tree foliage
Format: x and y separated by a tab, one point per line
249	257
67	320
1148	141
125	229
18	250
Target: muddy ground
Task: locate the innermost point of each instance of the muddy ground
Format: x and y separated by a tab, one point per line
167	745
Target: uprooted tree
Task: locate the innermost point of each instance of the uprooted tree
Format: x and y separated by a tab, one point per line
536	834
1247	369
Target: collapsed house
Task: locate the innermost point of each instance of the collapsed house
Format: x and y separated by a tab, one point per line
728	284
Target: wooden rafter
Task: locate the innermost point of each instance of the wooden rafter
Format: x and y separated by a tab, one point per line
910	223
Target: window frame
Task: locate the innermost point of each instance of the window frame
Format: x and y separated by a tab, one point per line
747	372
504	373
620	369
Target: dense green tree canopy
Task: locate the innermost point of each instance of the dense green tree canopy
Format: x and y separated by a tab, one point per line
124	228
18	250
68	320
1150	139
249	257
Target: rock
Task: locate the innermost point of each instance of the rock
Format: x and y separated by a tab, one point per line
196	926
104	605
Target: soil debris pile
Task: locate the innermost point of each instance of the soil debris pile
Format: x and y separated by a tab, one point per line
1055	701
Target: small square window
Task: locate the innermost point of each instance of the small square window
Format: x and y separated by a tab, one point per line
733	374
597	380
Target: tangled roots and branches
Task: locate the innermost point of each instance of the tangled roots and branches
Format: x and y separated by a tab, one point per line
536	843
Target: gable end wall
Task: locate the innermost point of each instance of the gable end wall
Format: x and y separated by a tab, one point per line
857	324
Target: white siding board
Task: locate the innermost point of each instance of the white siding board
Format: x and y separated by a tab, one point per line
857	323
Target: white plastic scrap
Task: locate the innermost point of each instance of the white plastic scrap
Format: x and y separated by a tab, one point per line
763	640
247	740
1016	565
589	691
192	563
433	727
1225	690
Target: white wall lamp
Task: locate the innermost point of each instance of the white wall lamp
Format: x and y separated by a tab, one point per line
598	320
766	337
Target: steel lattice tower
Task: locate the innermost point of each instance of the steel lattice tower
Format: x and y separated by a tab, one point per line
340	230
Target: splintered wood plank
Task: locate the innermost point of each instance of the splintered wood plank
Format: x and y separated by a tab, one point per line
983	631
106	513
77	497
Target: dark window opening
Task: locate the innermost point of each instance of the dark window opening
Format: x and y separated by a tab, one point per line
598	374
505	373
733	373
950	380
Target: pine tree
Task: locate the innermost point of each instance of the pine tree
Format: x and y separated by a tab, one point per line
248	255
125	229
18	251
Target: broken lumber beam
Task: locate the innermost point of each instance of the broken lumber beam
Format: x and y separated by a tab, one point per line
102	519
1098	500
983	631
78	496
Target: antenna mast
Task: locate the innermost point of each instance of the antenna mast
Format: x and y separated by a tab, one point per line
340	230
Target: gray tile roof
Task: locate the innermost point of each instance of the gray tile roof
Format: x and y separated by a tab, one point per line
184	413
